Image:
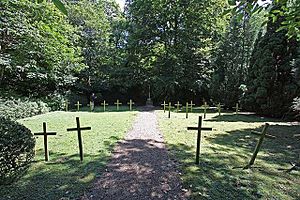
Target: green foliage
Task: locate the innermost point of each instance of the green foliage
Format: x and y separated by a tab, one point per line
38	52
272	84
16	150
21	108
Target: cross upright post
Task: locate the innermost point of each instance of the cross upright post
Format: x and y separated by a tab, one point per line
199	128
67	105
205	107
117	104
91	106
164	105
237	108
187	110
169	108
192	106
79	129
45	134
177	106
130	103
104	105
78	105
219	109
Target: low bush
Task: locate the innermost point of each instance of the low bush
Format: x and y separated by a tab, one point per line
16	150
21	108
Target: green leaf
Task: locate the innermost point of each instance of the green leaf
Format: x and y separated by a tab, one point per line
60	6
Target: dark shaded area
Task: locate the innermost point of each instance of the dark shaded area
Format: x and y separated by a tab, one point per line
242	117
139	169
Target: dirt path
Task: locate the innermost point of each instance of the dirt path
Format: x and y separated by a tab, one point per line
140	167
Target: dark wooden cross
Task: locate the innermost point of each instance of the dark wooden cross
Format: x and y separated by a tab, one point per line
199	128
67	105
177	106
187	110
45	134
79	129
104	105
78	105
257	147
164	105
117	104
130	103
191	104
169	108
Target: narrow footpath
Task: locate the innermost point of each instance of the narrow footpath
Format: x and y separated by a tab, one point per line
140	167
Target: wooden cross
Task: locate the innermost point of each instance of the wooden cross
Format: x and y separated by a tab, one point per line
45	134
104	105
177	106
118	103
236	108
192	106
169	108
67	105
199	128
79	129
219	109
205	107
164	105
91	106
78	105
257	147
187	110
130	103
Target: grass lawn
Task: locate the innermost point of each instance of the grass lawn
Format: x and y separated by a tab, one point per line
231	145
64	176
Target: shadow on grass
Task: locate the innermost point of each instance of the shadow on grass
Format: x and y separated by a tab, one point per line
242	118
63	177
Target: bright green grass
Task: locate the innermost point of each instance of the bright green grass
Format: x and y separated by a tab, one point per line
231	145
65	176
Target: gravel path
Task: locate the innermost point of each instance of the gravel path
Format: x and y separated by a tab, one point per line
140	167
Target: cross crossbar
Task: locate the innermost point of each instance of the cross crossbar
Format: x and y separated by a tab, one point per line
82	129
48	133
202	128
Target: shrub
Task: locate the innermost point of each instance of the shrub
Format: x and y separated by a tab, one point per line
16	150
21	108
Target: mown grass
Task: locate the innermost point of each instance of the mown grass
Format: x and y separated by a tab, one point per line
231	145
64	176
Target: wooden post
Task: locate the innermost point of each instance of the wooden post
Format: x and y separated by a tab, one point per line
130	103
78	105
91	106
45	134
164	105
79	129
118	103
192	106
219	109
104	105
187	110
205	107
169	108
236	108
199	128
177	106
67	105
258	145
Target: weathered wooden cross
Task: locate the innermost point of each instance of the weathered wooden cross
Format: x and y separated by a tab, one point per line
257	147
236	108
164	105
205	107
79	129
91	106
78	105
117	104
67	105
45	134
191	104
130	103
169	108
219	109
104	105
199	128
178	106
187	110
